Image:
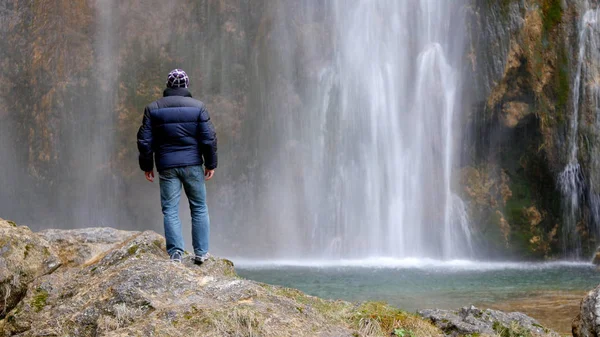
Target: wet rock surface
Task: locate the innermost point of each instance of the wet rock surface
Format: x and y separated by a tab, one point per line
587	322
472	321
521	121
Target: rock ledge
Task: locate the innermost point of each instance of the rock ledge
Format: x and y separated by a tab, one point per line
107	282
474	321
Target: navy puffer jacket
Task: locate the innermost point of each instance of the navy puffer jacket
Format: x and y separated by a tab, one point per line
177	132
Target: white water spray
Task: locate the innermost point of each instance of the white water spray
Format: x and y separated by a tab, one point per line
585	95
96	197
378	137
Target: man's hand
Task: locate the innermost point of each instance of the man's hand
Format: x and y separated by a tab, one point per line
150	176
208	174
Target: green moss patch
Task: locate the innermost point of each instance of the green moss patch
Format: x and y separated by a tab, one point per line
28	248
158	243
38	302
133	249
514	330
551	13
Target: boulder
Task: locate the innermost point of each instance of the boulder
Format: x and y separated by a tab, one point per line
587	322
133	289
596	259
24	256
474	321
78	246
118	283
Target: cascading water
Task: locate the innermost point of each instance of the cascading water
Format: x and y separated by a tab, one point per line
96	187
363	168
377	137
585	96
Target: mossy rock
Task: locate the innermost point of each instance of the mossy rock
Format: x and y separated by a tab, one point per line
39	299
552	13
24	256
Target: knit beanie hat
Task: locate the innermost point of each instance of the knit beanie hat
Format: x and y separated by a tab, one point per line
177	79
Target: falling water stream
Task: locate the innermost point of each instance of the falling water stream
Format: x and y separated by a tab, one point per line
96	188
363	169
379	136
585	95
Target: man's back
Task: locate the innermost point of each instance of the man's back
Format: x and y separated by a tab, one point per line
178	130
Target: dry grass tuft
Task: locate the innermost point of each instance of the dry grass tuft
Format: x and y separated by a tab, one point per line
126	315
380	319
368	327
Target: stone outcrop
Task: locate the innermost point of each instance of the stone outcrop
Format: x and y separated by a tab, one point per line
587	322
474	321
522	86
118	283
24	256
78	246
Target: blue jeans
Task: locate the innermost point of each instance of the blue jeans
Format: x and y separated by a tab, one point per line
192	178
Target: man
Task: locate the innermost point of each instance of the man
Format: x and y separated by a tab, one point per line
177	132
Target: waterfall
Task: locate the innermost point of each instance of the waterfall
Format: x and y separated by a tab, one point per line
585	97
59	118
377	136
91	141
339	121
591	101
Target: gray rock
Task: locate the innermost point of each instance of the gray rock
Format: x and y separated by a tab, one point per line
587	322
24	256
78	246
471	320
133	289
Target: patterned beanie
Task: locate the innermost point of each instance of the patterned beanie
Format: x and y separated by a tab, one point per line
178	79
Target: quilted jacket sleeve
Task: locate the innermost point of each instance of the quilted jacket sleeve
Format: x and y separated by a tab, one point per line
144	143
208	140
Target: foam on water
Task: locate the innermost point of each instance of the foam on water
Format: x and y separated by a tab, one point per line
408	263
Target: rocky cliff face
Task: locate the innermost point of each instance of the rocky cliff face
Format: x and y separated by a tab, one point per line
75	89
76	76
523	65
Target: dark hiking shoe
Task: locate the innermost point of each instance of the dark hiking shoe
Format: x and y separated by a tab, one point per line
199	259
176	257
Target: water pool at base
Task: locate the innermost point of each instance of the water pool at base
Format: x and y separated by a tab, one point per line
549	292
